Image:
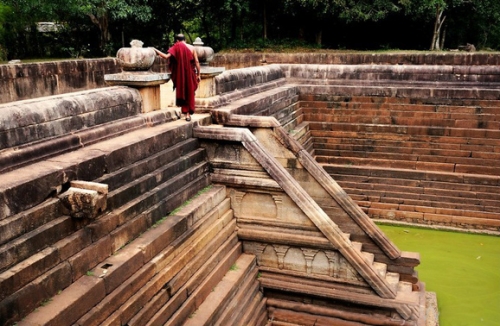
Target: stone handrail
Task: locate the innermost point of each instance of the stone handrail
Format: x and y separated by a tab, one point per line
293	189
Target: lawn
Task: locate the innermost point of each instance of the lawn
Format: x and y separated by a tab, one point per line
463	269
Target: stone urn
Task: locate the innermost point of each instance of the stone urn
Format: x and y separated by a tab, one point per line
136	58
205	53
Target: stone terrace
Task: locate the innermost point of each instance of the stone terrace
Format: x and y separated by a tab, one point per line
416	143
173	243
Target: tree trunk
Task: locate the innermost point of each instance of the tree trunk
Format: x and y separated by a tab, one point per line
319	37
442	39
438	24
264	22
103	23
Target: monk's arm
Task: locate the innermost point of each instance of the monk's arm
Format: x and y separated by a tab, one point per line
197	63
161	54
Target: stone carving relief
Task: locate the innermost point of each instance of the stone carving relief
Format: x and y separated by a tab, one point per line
250	204
227	153
305	260
230	153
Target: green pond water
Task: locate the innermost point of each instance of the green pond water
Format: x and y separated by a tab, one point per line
463	269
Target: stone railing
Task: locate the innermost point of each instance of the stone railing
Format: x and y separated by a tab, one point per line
33	80
241	60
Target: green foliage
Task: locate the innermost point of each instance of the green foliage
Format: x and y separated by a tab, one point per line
96	27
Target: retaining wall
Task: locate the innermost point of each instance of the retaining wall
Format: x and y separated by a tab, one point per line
33	80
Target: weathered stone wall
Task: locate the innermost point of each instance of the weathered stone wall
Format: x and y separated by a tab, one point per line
241	60
38	119
32	80
236	79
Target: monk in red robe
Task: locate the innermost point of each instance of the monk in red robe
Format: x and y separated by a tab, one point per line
185	73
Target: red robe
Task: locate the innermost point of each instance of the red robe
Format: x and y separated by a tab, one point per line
183	76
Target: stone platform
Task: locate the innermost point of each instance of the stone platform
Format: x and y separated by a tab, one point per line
264	201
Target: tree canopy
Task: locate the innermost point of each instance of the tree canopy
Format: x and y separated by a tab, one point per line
94	28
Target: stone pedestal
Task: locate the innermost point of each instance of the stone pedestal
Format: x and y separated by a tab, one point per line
148	84
206	88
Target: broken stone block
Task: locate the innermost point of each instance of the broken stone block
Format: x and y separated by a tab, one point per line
84	199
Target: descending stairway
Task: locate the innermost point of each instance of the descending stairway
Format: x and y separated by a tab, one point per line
417	160
47	256
161	277
412	143
337	268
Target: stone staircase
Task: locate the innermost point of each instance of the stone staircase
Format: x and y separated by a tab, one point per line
412	160
164	275
409	143
302	257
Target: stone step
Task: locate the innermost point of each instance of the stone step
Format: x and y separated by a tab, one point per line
244	303
381	268
292	118
445	167
299	131
213	261
29	186
147	165
444	141
224	302
198	296
404	107
353	296
328	99
391	89
441	160
369	257
28	243
122	274
393	280
417	145
416	197
29	220
142	184
406	130
476	182
410	150
489	121
256	312
266	103
79	252
352	180
394	73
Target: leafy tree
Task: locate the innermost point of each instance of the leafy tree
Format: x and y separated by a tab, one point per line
3	18
436	9
322	12
103	12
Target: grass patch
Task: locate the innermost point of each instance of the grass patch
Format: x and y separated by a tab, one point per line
187	202
234	267
463	269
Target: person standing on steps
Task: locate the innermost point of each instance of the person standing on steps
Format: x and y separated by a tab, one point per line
185	73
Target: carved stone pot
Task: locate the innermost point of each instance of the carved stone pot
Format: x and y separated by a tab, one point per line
205	53
136	58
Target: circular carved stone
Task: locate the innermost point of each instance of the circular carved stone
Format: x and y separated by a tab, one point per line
136	58
205	53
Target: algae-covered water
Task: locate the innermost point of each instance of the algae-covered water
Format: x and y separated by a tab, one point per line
463	269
